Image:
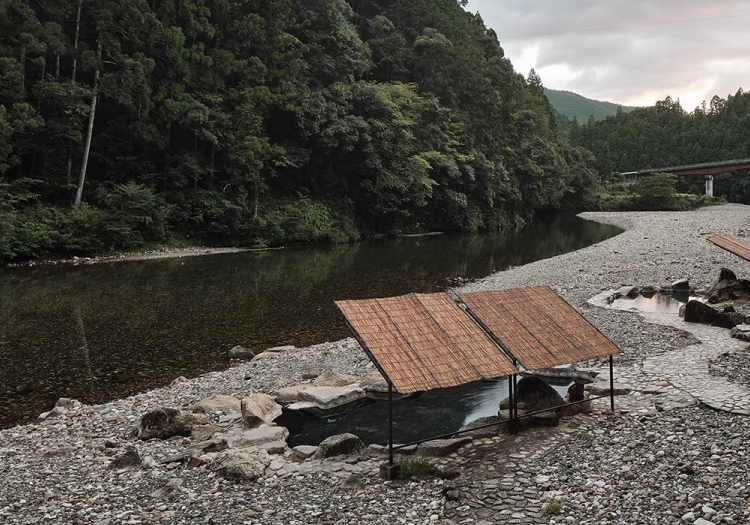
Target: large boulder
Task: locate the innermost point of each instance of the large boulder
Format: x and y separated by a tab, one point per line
535	395
242	465
259	409
168	422
698	312
340	445
328	400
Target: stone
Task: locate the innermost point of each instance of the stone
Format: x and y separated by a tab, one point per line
496	425
681	285
167	422
289	394
256	437
328	400
304	451
61	408
241	352
536	395
210	445
259	409
330	378
242	465
201	432
725	274
217	403
698	312
129	459
741	332
340	445
442	447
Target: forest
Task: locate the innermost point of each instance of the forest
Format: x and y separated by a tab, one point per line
667	135
128	125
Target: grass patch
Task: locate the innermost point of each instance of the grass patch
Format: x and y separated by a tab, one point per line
416	468
552	507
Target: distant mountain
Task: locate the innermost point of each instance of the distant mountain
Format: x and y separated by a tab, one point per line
573	105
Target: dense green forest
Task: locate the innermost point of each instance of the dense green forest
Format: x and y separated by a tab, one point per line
575	106
124	124
667	135
141	123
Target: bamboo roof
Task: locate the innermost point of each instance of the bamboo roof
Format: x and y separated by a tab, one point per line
424	341
731	244
537	327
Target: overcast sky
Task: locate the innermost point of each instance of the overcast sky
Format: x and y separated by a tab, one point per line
630	52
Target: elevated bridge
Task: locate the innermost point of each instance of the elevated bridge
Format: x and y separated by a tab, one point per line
707	169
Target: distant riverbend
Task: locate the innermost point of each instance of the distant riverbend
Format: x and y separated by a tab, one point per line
104	331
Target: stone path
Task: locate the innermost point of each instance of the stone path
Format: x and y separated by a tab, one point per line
513	491
687	368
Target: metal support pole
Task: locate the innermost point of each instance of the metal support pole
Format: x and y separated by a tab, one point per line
611	384
511	397
514	417
390	423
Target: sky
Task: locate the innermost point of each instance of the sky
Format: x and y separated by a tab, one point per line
630	52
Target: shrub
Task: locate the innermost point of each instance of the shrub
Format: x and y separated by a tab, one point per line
552	507
416	468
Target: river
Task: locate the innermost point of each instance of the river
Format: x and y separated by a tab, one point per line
105	331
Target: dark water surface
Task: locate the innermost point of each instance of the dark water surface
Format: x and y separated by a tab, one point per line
110	330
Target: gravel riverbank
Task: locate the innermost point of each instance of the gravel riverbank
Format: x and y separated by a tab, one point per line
650	462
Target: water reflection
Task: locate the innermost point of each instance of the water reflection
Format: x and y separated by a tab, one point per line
661	303
110	330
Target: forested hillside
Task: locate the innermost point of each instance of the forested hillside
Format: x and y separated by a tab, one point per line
129	123
666	135
575	106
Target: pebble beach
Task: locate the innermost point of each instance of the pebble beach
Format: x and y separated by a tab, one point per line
673	452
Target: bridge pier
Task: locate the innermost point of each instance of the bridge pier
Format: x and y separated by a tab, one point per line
710	185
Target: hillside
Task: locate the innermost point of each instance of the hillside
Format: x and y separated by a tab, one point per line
581	108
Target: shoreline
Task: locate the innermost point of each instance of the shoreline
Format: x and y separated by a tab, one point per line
58	469
166	253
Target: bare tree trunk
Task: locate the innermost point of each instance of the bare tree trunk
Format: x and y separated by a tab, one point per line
73	78
90	130
75	41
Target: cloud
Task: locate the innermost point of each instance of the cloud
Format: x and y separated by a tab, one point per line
632	52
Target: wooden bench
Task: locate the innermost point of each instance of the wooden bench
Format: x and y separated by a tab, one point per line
733	245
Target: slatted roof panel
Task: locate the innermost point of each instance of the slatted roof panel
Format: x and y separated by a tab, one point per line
424	341
731	244
538	327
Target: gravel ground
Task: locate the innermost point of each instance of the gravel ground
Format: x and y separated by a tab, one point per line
685	465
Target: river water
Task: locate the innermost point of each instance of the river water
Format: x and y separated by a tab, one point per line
105	331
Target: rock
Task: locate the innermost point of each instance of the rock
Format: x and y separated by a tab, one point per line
61	408
442	447
217	403
681	285
725	274
167	422
330	378
601	388
741	332
130	459
258	409
304	451
698	312
576	392
201	432
210	445
256	437
242	465
328	400
241	352
535	394
290	394
340	445
497	424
